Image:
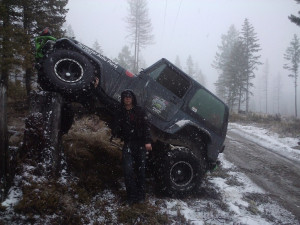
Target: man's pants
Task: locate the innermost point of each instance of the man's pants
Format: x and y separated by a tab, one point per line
133	160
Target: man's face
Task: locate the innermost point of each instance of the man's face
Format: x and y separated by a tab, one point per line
128	101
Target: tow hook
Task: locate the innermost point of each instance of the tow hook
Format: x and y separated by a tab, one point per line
222	149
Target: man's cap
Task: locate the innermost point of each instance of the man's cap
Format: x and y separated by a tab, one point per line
127	93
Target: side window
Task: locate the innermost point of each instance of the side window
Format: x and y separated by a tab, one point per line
171	80
208	107
155	73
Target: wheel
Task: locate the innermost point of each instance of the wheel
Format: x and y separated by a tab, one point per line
181	172
67	72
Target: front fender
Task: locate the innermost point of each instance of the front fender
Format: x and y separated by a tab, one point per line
184	124
213	145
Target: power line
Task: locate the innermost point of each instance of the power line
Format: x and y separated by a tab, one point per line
165	15
176	17
164	25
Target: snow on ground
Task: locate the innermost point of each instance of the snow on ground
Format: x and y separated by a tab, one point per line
270	140
234	207
230	196
244	202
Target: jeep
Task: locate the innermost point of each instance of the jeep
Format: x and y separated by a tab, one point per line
188	122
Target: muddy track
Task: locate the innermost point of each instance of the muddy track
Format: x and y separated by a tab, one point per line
276	174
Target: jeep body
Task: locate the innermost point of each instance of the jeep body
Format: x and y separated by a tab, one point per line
188	122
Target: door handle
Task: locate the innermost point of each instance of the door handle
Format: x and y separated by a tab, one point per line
173	100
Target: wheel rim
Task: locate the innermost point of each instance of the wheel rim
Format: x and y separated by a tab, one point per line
68	70
181	173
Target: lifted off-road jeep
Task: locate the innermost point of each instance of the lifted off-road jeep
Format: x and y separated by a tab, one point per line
188	122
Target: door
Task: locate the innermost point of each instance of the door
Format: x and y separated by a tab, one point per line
165	90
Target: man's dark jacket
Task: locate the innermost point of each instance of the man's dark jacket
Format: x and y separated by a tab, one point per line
131	125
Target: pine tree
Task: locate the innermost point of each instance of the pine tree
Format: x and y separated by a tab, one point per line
190	67
97	47
235	76
199	75
278	92
70	32
125	59
292	55
52	14
177	62
294	18
266	83
222	60
19	21
139	28
9	38
8	33
249	38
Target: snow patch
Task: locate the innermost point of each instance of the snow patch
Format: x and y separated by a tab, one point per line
268	139
182	123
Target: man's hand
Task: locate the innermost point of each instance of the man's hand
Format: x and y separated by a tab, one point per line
148	147
96	82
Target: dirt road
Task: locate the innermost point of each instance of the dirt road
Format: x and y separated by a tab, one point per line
276	174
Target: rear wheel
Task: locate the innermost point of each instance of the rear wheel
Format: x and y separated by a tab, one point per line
67	72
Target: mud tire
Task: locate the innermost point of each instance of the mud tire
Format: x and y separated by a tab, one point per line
180	172
67	72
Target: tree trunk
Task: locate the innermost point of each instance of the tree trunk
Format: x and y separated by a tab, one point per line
42	137
296	97
28	75
4	154
247	96
135	53
4	66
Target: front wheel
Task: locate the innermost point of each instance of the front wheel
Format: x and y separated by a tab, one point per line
181	172
67	72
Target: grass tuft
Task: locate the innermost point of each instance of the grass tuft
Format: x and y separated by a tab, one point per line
142	214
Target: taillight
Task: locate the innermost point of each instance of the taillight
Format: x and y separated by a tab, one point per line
129	73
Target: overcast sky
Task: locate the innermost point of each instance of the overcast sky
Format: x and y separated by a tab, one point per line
190	27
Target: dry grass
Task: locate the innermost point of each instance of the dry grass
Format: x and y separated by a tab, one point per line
91	156
97	163
143	214
285	126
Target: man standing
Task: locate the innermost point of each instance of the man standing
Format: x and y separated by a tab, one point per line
131	125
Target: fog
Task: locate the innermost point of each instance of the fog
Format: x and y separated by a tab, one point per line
195	27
